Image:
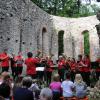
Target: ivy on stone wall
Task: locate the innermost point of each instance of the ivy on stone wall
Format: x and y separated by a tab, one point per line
86	43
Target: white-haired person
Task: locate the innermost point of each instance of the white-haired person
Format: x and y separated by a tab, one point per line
46	94
80	88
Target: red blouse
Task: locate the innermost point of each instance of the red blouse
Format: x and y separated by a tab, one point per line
31	65
5	60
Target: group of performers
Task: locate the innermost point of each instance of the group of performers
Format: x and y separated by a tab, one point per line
64	64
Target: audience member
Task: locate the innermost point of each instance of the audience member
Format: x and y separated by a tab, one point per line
5	91
67	87
80	87
46	94
22	93
55	86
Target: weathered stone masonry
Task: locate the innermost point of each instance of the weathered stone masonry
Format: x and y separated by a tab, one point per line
22	22
24	26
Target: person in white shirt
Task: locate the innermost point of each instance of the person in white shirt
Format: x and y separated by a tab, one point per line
67	87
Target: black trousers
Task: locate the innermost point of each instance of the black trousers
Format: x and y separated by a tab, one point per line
40	75
97	75
86	77
14	71
48	78
56	95
5	69
72	76
19	70
61	73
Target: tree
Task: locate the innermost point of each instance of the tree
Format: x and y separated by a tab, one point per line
67	8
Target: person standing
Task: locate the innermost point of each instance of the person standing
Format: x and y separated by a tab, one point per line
80	66
31	65
87	69
61	67
73	69
19	63
49	69
13	66
5	61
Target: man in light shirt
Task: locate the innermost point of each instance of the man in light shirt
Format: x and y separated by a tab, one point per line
67	87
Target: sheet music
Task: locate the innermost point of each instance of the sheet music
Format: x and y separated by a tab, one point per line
40	69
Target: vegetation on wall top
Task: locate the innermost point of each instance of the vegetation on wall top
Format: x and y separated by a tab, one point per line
67	8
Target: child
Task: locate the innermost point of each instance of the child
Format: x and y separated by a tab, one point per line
80	87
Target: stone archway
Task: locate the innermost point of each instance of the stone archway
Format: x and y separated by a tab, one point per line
86	42
60	42
45	46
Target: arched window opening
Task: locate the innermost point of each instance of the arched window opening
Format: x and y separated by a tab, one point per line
86	42
60	42
44	41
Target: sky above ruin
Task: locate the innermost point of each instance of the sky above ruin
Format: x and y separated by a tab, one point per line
92	2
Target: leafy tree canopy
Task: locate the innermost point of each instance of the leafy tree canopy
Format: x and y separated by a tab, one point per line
67	8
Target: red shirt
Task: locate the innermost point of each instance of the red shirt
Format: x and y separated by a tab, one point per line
98	60
50	63
5	60
31	65
19	61
61	64
87	67
73	66
80	66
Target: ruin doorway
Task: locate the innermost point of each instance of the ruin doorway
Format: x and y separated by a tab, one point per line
86	42
60	42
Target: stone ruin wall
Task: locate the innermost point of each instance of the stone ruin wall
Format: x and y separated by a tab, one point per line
24	26
98	29
73	28
21	25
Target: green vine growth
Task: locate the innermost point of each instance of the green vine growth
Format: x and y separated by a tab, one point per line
86	43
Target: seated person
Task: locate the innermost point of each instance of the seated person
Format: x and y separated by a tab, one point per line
55	86
46	94
80	87
23	93
35	89
67	87
5	91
